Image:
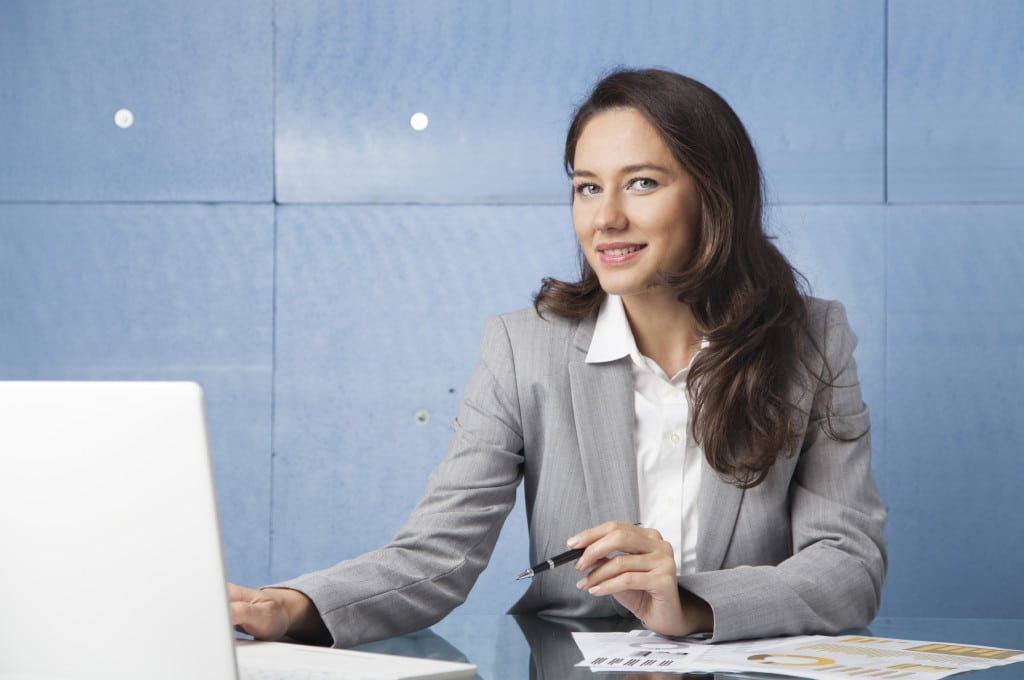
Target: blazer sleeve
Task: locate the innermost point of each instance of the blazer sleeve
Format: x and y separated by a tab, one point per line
833	580
430	565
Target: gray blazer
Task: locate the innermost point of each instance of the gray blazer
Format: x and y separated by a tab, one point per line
800	553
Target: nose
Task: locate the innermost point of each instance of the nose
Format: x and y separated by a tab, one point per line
609	214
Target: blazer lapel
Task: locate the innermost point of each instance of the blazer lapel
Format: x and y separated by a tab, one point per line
717	509
602	403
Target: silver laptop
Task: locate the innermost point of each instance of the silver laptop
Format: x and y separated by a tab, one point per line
110	553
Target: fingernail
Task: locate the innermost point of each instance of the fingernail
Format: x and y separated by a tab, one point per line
595	590
573	541
579	584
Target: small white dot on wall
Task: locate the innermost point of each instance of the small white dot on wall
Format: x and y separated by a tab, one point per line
419	121
124	118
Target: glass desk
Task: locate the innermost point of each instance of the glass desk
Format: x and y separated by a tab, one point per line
531	648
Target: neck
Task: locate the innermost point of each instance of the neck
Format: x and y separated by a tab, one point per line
665	330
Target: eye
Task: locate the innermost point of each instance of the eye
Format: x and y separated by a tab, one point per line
643	184
587	190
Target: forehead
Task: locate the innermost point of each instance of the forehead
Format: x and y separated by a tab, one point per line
619	136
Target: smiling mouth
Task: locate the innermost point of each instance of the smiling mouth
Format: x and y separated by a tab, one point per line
619	252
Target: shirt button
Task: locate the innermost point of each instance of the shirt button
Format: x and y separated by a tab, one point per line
676	439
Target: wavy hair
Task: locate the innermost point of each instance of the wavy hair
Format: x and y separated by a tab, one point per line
746	297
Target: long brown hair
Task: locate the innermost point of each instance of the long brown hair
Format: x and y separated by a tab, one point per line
745	295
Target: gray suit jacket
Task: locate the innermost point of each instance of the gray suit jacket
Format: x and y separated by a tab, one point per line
800	553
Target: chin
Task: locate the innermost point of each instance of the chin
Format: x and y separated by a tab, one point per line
623	289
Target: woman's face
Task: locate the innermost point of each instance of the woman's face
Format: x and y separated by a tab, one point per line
635	208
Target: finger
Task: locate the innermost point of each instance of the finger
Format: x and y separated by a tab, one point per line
608	531
237	593
658	583
256	619
241	613
623	563
620	538
588	536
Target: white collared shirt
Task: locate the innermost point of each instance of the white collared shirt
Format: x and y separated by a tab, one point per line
668	460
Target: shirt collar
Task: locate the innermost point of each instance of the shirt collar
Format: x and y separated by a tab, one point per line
613	338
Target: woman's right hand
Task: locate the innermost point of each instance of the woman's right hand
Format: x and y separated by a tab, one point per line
273	613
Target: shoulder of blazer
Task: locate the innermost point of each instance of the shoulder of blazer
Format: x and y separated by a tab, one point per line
818	312
527	328
829	330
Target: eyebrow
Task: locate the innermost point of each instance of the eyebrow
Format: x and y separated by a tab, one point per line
629	169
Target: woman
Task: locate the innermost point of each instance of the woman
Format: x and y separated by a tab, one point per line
682	412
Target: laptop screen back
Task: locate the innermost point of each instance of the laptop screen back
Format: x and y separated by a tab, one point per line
110	557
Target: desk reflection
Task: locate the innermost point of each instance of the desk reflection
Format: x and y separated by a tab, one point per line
425	644
521	647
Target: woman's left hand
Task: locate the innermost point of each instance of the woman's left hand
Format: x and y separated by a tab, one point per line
637	567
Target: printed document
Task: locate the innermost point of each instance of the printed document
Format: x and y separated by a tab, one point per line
818	657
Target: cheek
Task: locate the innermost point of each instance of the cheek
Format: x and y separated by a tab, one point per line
677	238
579	223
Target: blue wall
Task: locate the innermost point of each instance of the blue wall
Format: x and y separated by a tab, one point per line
271	226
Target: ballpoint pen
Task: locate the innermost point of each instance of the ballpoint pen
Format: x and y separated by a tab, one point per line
551	563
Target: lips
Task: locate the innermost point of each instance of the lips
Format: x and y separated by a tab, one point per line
617	253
